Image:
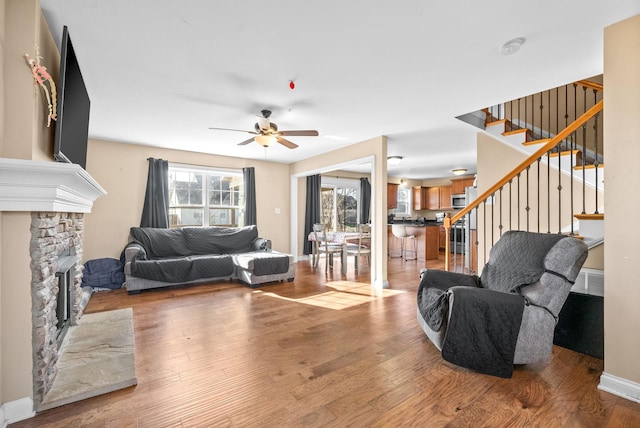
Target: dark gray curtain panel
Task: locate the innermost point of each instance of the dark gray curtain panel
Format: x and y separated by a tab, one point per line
250	211
155	211
312	214
365	199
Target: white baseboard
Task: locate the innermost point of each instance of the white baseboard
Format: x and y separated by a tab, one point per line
14	411
381	283
620	387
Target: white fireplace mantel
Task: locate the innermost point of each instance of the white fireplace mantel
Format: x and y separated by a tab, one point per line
41	186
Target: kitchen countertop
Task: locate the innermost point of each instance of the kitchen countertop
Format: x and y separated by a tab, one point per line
418	223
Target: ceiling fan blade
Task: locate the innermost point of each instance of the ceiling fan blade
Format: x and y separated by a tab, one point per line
235	130
246	141
287	143
301	133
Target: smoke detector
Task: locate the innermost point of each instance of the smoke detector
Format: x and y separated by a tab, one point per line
512	46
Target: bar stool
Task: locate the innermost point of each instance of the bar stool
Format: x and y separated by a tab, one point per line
400	231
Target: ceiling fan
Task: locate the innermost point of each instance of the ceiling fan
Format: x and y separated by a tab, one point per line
266	132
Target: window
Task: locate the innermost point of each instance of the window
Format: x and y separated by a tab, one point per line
339	204
404	202
205	197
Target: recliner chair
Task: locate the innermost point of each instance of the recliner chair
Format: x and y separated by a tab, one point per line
507	315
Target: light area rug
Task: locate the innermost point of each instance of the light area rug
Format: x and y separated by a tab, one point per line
98	356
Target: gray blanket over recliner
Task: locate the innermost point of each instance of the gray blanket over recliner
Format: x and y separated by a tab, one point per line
484	327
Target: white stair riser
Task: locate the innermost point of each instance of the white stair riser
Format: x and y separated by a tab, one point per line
518	138
496	130
590	176
591	228
567	162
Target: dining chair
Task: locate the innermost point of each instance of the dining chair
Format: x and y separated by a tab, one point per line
322	246
363	246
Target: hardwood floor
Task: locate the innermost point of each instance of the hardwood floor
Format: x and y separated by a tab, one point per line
322	351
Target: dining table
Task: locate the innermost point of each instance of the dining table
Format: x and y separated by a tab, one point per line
341	238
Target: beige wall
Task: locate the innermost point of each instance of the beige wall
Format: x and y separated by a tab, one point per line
24	136
15	324
121	169
621	254
494	160
3	4
26	133
595	260
2	110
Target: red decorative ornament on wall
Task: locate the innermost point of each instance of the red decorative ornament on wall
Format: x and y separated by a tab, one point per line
292	85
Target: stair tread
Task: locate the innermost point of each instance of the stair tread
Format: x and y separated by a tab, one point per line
575	235
564	152
515	132
589	216
588	166
533	142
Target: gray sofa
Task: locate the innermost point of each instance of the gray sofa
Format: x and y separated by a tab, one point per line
192	255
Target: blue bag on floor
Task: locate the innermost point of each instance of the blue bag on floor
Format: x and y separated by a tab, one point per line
103	273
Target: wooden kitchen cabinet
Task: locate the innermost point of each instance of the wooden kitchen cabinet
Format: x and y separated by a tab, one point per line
433	198
438	198
392	195
419	198
445	198
459	184
431	242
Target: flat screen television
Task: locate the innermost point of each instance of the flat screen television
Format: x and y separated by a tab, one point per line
72	126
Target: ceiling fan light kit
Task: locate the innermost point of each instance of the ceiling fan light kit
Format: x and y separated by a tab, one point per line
265	140
266	132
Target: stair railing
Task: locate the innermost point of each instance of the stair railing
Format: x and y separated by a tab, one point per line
511	203
544	114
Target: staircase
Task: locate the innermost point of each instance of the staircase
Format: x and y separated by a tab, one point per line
589	227
559	188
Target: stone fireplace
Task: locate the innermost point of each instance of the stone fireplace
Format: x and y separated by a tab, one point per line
56	254
57	196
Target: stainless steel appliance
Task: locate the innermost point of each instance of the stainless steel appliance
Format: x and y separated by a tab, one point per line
458	201
457	237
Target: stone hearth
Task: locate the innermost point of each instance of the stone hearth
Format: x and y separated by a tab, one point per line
98	357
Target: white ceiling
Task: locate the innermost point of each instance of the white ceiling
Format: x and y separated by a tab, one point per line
160	73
